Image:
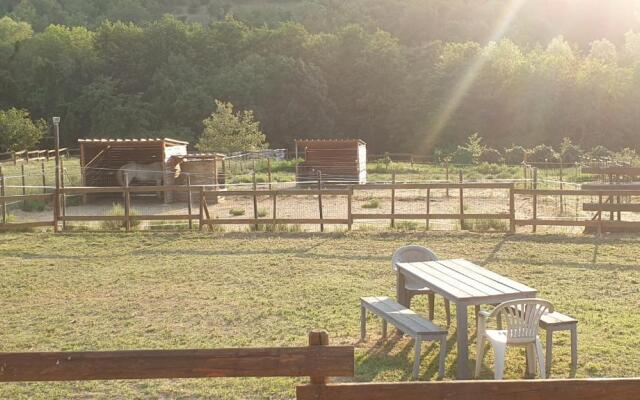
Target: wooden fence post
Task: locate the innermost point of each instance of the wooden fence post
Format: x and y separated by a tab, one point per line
44	178
393	198
535	200
255	197
600	216
320	200
447	176
461	179
215	179
4	202
63	203
319	338
24	184
201	215
512	210
15	158
428	208
127	203
275	206
269	172
561	188
350	208
189	199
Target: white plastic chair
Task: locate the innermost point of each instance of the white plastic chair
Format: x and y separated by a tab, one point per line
415	253
521	319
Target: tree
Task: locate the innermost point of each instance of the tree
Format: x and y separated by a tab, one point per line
228	132
18	131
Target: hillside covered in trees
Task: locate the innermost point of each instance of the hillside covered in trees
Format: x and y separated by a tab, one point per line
410	75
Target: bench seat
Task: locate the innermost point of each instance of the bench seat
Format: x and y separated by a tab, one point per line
406	321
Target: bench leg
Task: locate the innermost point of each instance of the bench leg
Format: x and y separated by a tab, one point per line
432	306
363	323
574	350
549	351
447	310
416	362
443	356
384	329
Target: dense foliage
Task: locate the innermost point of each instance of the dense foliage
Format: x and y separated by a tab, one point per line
18	131
428	79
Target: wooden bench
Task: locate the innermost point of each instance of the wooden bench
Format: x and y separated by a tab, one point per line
406	321
553	322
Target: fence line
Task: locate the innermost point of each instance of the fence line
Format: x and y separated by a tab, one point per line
608	201
318	361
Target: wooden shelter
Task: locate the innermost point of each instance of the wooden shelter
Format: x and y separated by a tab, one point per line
342	160
201	169
100	159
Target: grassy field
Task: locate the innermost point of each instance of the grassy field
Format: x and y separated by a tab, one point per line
181	290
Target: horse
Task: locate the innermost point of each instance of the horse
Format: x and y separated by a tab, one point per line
140	173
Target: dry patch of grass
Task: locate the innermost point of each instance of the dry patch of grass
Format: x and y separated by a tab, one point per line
105	291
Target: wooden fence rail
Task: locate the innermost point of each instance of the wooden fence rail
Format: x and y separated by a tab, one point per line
349	216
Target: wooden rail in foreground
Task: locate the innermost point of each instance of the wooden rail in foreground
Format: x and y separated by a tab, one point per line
605	389
317	359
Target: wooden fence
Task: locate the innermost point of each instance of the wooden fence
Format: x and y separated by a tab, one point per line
318	361
26	156
198	194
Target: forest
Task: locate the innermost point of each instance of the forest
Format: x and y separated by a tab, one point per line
405	76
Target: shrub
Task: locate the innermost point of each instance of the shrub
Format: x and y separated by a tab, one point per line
236	212
262	213
569	152
484	225
372	203
462	155
490	155
407	226
542	153
599	153
117	210
34	205
515	155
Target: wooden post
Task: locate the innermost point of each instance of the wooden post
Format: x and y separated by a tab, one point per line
44	178
461	179
428	207
320	200
393	198
447	176
255	198
350	208
4	202
189	199
561	188
26	156
600	216
24	184
215	178
127	203
618	200
512	210
535	200
201	215
319	338
524	174
63	203
15	158
269	172
275	206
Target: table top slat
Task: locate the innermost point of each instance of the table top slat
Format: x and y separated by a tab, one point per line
451	270
465	285
497	286
433	282
492	275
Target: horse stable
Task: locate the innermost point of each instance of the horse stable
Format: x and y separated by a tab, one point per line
102	159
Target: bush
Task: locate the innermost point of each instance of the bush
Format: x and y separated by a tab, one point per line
372	203
462	155
117	210
569	152
262	213
542	153
484	225
490	155
599	153
407	226
236	212
515	155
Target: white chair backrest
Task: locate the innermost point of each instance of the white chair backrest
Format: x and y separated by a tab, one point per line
412	253
522	317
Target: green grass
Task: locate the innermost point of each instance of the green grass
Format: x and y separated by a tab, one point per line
372	203
105	291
